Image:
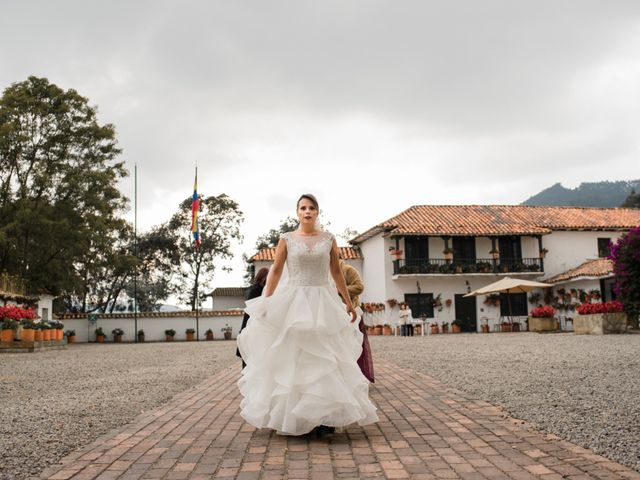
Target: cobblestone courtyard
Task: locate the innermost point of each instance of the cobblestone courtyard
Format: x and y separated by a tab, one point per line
427	430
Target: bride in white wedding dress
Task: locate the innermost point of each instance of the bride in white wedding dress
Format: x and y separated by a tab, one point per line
301	346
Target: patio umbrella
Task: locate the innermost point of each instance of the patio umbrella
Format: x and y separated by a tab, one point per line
508	285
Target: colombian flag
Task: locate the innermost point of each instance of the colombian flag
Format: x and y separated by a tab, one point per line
195	208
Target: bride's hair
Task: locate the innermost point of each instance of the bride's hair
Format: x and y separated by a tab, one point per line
309	197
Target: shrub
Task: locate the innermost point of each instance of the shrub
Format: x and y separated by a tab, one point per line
100	332
607	307
625	254
170	332
117	331
546	311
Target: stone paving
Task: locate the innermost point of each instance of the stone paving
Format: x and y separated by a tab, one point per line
426	431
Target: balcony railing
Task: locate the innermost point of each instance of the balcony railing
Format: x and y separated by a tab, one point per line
466	265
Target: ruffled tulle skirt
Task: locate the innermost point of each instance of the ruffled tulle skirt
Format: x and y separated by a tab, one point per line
301	352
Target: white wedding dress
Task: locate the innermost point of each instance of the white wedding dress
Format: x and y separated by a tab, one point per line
301	349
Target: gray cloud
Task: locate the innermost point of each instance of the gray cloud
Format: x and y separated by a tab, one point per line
379	103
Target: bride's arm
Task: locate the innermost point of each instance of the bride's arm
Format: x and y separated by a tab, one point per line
276	270
338	277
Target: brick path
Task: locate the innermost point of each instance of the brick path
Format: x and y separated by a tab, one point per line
426	431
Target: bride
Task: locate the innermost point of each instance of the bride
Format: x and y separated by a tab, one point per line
302	347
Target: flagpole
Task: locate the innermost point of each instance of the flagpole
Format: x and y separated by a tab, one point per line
135	252
195	246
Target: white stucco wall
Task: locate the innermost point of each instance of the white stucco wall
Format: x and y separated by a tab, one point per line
567	250
227	303
375	253
153	327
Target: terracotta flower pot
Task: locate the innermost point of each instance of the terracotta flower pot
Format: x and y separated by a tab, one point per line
435	329
209	336
46	335
386	330
455	328
59	334
6	336
445	329
37	335
418	330
377	330
169	338
100	338
71	339
506	327
190	337
484	328
117	338
28	335
227	335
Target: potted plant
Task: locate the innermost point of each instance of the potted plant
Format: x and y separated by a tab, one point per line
209	334
448	302
37	333
386	329
100	336
28	330
71	336
542	319
377	330
448	254
395	252
445	327
543	252
7	330
493	299
226	330
435	329
495	253
190	333
46	331
140	336
534	298
456	326
59	328
117	335
506	327
169	334
600	318
392	302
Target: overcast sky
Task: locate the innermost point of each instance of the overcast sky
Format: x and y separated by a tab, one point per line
374	106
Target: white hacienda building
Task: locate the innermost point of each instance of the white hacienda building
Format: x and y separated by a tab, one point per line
430	256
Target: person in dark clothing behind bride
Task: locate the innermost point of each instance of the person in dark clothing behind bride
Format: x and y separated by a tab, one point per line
254	291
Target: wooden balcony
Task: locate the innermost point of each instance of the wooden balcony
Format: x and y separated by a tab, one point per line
466	266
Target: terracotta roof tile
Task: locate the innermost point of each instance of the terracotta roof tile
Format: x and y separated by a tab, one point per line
228	292
499	220
598	268
201	314
268	254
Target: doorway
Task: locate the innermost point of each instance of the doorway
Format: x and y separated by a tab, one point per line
466	312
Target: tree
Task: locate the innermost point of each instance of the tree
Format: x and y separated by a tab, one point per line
59	201
158	260
220	220
632	201
625	254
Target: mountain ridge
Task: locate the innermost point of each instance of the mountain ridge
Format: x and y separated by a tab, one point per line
587	194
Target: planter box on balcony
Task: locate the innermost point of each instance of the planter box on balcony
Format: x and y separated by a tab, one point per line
537	324
600	323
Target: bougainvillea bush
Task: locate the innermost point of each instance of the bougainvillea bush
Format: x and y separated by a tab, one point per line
625	254
606	307
546	311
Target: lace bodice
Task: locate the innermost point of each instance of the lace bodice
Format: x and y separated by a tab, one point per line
308	258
